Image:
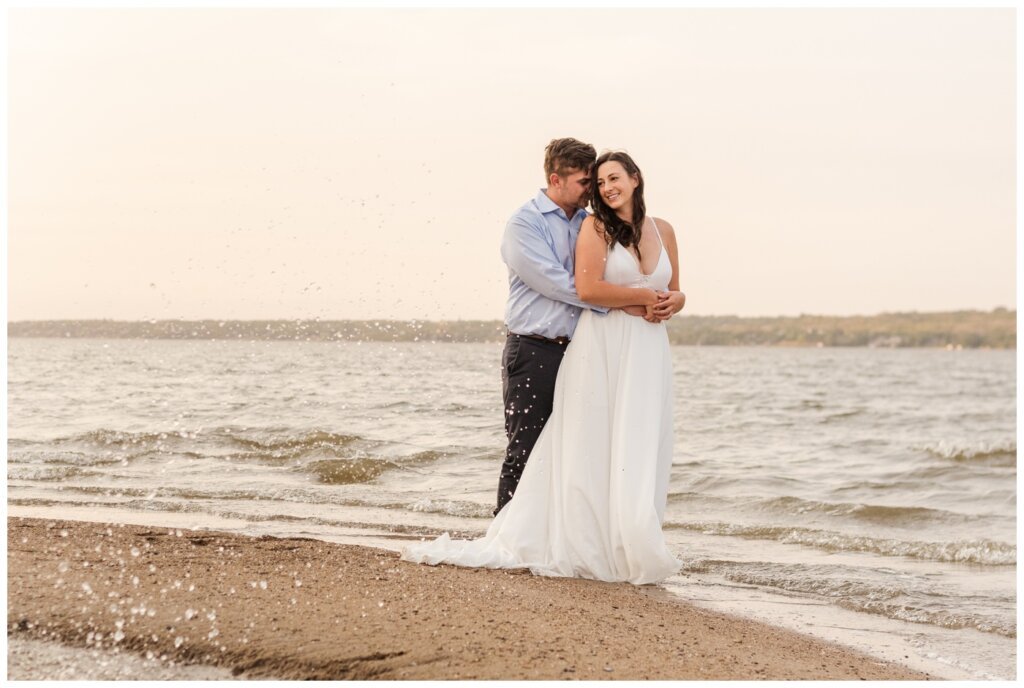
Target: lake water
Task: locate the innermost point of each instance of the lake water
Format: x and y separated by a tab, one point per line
862	495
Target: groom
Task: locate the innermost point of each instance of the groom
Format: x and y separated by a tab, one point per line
539	248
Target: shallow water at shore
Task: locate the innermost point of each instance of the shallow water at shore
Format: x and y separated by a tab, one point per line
878	483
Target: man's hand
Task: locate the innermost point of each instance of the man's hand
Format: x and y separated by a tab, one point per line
635	310
669	303
644	312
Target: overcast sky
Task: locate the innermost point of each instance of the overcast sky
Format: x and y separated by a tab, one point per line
340	163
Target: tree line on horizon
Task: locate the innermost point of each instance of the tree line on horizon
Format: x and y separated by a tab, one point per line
996	329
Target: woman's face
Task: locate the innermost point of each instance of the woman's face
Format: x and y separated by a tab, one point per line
615	186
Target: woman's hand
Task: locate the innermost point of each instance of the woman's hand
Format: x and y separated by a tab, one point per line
650	316
669	303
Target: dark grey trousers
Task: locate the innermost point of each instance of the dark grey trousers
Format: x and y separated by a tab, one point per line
528	371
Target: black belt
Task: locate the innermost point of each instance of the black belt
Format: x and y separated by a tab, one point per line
561	341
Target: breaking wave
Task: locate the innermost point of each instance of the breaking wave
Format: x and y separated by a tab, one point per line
895	597
331	458
980	551
451	507
871	513
362	470
46	473
987	453
852	511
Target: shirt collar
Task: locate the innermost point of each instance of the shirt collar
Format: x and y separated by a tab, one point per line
546	205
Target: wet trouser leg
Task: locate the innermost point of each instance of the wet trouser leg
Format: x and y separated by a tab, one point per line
528	371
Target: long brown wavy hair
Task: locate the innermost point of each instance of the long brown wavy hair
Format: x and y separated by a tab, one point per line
614	227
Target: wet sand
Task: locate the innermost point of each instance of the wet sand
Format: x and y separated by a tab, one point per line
307	609
36	660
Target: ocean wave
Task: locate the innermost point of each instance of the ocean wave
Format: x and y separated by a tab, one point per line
855	589
347	471
829	581
398	528
841	415
451	507
285	443
1002	454
108	447
392	405
268	440
121	439
195	496
889	486
690	497
130	504
432	407
981	551
946	619
46	473
163	492
363	469
65	457
289	495
334	458
853	511
488	455
872	513
158	505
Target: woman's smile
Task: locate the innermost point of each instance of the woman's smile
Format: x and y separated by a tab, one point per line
614	185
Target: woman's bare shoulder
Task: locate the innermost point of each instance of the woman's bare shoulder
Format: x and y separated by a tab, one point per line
591	223
664	228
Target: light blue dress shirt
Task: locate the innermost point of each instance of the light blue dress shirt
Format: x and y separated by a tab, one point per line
539	248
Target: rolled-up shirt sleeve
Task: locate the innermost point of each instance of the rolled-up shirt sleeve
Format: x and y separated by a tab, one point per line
526	253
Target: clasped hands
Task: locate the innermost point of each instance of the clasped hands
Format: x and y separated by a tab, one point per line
669	303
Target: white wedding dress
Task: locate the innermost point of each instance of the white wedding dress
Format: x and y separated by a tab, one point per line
592	496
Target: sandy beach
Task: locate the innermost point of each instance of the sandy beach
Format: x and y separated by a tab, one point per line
307	609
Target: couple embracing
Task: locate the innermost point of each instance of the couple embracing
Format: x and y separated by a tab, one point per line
587	381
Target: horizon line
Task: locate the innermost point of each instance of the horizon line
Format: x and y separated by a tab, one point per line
997	309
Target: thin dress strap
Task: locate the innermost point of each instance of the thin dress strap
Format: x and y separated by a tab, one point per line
657	231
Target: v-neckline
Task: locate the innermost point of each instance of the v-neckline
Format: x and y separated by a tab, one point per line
639	267
636	260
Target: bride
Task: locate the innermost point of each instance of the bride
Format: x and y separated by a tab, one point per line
592	496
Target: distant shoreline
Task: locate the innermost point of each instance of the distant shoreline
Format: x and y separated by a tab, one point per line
996	329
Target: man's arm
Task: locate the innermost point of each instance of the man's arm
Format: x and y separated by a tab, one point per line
525	251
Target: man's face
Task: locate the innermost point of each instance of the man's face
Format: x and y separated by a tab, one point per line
573	189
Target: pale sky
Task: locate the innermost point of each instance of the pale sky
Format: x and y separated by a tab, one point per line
342	163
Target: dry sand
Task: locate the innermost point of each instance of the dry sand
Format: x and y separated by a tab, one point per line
307	609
